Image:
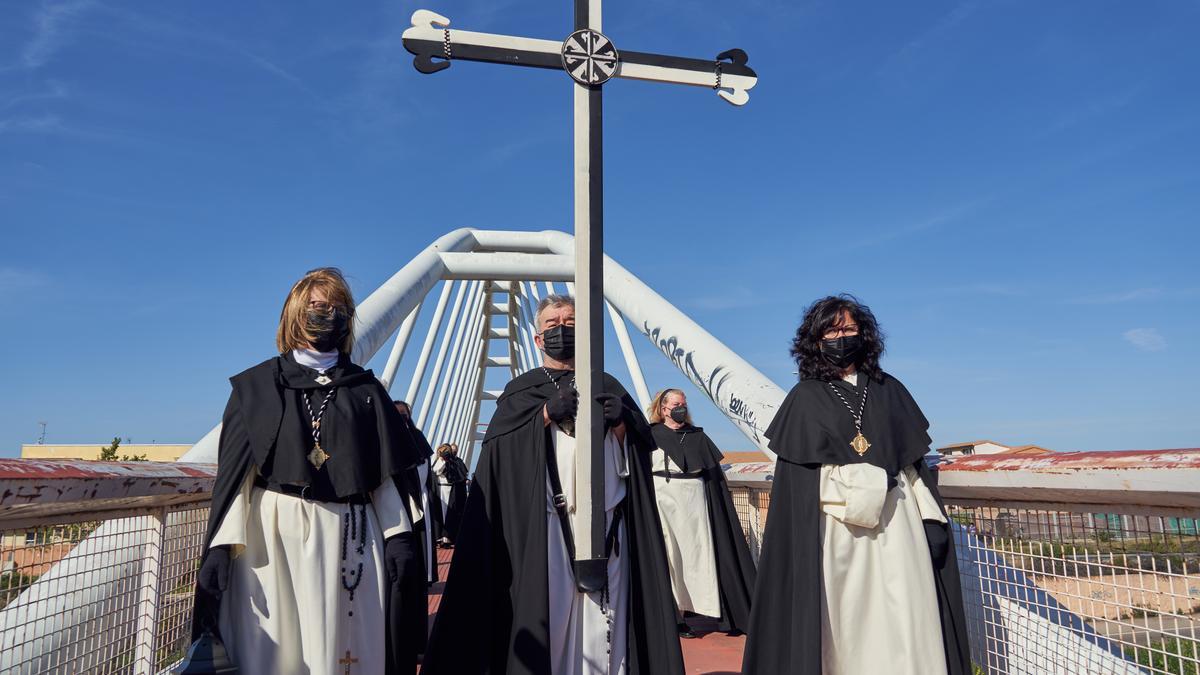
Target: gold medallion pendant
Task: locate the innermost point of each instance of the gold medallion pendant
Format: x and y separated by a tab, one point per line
318	456
860	444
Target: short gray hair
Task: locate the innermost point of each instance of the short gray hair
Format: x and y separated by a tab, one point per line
552	300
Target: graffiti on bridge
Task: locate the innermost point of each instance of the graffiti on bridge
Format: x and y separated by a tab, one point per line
711	384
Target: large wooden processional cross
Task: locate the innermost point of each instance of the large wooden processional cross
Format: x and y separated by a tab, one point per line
591	59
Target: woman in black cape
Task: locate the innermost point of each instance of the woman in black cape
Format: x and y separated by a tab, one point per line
712	573
309	556
857	572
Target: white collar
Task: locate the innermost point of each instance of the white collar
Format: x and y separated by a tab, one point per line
318	361
852	378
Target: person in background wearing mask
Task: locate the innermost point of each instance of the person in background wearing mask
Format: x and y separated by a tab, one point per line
712	573
511	588
857	572
309	539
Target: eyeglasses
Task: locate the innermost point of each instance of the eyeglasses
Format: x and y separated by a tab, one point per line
323	307
840	331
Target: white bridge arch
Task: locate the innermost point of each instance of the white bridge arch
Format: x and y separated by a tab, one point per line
486	264
477	266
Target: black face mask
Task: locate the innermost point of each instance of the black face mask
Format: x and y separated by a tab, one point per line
559	342
679	413
842	351
328	330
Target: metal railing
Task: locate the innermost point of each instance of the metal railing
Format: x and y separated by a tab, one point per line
97	564
1079	563
1071	563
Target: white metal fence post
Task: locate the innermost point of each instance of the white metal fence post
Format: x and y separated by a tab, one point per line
149	594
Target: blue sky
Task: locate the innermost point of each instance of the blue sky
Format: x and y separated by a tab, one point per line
1013	187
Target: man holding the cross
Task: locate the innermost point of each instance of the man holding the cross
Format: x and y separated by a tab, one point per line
511	604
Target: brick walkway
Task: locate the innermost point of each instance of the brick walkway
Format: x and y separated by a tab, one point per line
711	653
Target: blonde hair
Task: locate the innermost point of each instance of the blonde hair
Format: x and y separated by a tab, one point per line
293	330
444	449
660	399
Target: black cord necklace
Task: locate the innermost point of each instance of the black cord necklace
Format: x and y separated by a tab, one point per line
859	443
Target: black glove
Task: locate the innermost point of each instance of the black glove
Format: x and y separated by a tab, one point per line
401	556
891	484
938	536
213	578
612	409
563	405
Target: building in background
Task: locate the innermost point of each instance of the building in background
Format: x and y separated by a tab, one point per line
990	448
154	452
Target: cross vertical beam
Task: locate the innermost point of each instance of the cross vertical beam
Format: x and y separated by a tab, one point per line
591	566
590	59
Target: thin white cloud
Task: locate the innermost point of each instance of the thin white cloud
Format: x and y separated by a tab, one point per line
1095	108
949	215
145	30
51	29
13	279
54	90
728	298
41	124
1145	339
274	69
1131	295
995	289
946	23
52	125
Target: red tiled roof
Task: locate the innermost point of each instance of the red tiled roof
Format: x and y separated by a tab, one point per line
744	456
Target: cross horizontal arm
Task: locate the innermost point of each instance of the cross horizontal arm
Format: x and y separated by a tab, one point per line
430	38
434	45
728	73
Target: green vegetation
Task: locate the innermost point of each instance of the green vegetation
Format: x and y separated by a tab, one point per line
1181	554
1173	655
109	454
11	585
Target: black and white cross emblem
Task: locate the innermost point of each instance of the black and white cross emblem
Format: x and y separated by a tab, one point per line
591	59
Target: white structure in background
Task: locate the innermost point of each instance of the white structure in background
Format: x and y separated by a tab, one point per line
482	320
478	266
977	448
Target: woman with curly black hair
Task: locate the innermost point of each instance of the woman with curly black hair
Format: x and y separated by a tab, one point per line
857	573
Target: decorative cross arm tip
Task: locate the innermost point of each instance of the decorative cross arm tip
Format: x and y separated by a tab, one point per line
587	56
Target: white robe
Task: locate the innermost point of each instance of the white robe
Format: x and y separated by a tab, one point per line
430	551
687	533
444	488
879	611
578	627
285	611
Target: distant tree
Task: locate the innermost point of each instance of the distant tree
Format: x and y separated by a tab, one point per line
109	454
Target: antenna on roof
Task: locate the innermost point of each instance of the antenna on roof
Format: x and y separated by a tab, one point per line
42	438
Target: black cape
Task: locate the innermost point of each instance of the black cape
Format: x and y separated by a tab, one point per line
692	450
497	592
412	607
813	427
266	425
